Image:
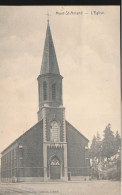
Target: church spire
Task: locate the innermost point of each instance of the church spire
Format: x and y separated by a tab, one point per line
49	80
49	60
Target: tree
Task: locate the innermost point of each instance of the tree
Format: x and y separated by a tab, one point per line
117	141
108	143
98	137
95	154
101	152
95	148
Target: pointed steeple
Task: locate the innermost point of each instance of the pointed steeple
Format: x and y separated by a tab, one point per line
49	60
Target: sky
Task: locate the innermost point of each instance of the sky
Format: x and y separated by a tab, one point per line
88	52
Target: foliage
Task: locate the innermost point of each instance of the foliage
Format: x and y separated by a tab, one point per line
108	143
117	141
95	148
107	147
105	155
114	174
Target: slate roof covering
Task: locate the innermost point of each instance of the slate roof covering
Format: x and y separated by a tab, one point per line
18	139
67	123
39	123
49	60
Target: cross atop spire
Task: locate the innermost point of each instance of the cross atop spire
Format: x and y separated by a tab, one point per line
48	15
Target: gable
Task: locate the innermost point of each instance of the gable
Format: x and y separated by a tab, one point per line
75	132
27	133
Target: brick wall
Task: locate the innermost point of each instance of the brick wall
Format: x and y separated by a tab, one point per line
32	152
75	150
24	153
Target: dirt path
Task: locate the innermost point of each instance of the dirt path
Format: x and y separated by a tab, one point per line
71	188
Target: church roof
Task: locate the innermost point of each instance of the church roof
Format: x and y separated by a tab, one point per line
49	60
80	134
25	133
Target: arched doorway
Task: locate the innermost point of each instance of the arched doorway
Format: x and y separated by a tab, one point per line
55	168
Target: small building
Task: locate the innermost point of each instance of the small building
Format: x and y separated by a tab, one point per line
52	149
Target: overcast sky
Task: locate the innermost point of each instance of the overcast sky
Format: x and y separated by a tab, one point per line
88	53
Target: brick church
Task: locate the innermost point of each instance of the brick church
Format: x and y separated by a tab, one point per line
52	149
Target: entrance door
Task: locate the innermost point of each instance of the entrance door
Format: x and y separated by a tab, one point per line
55	169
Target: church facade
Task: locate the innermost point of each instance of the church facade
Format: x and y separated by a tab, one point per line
52	149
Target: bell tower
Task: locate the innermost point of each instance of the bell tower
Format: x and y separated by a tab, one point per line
52	112
49	80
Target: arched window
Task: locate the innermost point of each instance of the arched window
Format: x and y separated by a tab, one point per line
54	132
53	91
45	90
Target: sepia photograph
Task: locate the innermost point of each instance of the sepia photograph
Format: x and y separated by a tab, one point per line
60	100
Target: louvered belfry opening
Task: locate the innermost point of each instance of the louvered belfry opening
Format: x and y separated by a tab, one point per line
45	90
54	91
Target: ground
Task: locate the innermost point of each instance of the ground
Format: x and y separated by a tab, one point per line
69	188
